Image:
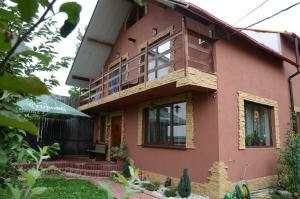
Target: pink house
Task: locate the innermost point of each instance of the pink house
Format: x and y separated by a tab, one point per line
183	89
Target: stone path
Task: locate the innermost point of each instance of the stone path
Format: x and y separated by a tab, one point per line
118	190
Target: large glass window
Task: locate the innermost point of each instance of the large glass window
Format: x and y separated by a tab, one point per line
166	125
157	58
258	125
114	81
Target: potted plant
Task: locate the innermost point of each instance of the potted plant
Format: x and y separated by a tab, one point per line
254	140
119	153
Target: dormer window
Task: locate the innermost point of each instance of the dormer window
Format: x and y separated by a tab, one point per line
137	13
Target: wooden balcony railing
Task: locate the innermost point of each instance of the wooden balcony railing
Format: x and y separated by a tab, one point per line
174	52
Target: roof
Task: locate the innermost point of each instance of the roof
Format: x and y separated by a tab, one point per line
105	24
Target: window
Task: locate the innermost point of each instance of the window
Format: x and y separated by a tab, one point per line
166	125
136	14
156	59
113	83
258	125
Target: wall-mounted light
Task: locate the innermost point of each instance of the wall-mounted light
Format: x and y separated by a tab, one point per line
177	108
131	39
154	32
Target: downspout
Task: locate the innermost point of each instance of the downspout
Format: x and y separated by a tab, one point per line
291	84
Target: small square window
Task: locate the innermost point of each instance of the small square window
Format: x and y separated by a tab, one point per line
258	125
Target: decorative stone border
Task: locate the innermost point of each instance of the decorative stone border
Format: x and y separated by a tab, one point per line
218	183
242	97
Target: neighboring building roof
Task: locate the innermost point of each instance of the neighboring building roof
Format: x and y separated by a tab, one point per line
105	24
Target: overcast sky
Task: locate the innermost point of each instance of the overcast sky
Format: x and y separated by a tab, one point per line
229	11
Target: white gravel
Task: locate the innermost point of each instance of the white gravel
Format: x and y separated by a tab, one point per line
160	193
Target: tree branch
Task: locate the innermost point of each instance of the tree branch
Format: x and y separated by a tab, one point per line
23	37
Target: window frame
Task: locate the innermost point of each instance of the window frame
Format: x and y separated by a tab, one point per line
154	43
271	124
158	144
242	97
113	66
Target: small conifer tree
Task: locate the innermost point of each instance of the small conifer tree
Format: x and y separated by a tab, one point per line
184	186
126	171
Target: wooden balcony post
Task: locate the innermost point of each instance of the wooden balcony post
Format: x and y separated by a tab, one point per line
120	73
185	42
146	63
102	82
90	90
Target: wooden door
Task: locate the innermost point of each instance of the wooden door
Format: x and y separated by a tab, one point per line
116	130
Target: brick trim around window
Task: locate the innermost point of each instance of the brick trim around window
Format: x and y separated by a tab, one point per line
242	97
187	97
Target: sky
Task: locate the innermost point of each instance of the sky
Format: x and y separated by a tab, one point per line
229	11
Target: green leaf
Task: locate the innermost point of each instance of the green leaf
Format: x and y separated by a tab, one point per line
30	85
8	118
45	59
3	161
122	179
4	44
67	28
37	191
6	15
44	150
72	9
139	2
30	152
44	3
3	25
27	9
30	179
107	190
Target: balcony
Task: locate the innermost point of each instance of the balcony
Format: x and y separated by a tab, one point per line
184	57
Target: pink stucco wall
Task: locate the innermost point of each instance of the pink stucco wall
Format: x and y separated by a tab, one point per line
255	72
170	162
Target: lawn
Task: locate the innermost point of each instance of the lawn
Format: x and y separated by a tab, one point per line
60	188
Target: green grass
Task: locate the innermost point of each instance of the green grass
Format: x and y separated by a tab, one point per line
59	188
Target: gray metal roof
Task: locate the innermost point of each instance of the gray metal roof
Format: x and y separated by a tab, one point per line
105	25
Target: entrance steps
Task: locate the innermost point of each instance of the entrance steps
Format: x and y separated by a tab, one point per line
87	168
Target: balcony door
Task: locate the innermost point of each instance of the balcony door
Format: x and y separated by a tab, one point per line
113	83
156	58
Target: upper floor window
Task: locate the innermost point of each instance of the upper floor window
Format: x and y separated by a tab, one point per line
114	77
166	125
258	125
157	57
135	15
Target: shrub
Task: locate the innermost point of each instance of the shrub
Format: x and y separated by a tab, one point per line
126	171
184	186
170	192
289	161
152	186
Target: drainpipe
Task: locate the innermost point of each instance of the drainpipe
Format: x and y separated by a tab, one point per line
291	84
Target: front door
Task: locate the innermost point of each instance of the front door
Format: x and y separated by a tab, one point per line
116	130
